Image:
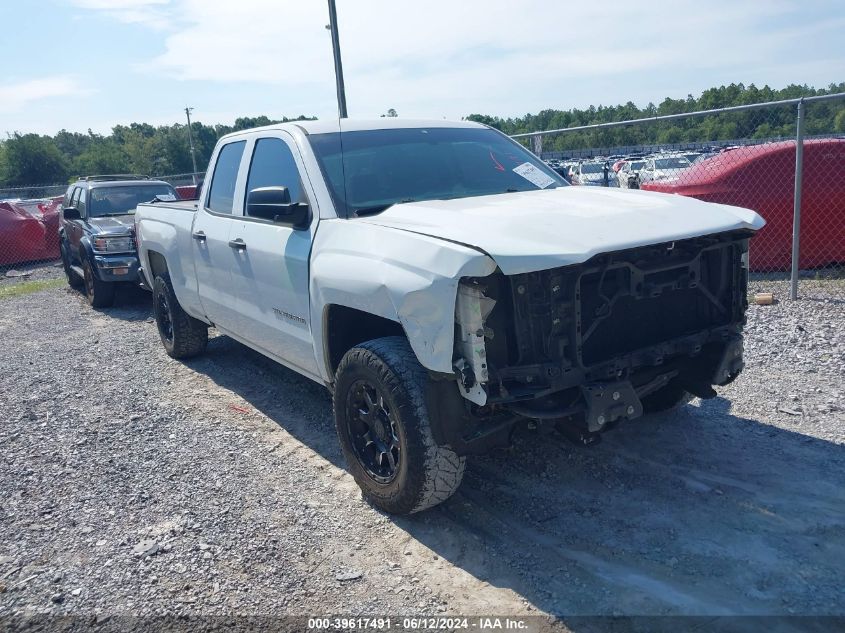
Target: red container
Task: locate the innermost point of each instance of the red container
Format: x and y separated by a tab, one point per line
187	192
29	236
762	178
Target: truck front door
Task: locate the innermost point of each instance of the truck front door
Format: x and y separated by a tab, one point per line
270	275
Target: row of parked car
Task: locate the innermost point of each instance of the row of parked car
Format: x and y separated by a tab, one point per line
626	172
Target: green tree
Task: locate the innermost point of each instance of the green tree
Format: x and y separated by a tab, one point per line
31	159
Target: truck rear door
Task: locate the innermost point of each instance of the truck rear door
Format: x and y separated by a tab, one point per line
213	256
270	271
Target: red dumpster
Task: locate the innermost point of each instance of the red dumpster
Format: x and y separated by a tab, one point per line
187	192
762	178
27	236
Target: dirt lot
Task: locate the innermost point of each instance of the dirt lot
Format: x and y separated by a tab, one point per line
132	483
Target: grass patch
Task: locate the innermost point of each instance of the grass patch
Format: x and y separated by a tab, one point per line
28	287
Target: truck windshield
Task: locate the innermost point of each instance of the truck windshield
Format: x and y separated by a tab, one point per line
376	169
122	199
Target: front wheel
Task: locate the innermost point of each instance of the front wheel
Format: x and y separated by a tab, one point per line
182	335
100	294
384	426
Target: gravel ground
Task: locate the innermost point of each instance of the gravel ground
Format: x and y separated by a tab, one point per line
21	273
133	483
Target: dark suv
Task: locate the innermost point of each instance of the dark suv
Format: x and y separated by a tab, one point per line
97	233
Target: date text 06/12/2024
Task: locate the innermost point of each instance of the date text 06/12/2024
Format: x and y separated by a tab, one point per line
417	624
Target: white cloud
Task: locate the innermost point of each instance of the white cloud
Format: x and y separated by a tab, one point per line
16	97
442	57
153	13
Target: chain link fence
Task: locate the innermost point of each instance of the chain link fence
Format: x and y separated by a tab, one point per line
29	223
744	156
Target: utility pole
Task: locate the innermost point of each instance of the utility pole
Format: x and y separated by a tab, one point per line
338	66
191	143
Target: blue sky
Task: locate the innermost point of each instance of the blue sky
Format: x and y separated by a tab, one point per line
80	64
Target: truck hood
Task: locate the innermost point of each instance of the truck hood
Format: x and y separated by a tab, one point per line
112	224
536	230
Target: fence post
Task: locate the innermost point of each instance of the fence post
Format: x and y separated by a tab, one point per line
796	213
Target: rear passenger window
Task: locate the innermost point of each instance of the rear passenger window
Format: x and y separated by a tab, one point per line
273	165
221	198
81	204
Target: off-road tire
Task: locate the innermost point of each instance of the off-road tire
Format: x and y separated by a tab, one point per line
188	336
100	294
73	278
672	396
427	474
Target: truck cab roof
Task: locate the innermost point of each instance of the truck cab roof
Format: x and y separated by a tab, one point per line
355	125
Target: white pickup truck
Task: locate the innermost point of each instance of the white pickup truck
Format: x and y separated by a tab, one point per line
446	285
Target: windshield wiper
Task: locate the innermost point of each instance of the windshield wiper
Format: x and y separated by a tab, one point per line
364	211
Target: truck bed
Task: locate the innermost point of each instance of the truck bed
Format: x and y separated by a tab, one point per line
165	228
176	205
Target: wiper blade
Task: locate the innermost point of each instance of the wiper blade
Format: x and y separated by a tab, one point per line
364	211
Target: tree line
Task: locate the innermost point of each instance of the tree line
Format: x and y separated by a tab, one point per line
139	148
777	122
33	159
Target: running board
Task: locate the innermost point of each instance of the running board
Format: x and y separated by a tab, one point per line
78	270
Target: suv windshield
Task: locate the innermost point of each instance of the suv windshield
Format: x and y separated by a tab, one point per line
376	169
122	199
592	168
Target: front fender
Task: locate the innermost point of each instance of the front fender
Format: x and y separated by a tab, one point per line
86	252
395	274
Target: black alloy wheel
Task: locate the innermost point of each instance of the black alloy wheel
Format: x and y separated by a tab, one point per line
373	431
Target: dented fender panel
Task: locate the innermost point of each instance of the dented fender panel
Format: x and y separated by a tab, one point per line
394	274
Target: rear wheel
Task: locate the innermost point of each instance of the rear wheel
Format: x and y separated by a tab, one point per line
100	294
182	335
384	426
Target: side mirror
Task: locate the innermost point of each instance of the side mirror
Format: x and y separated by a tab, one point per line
273	203
71	213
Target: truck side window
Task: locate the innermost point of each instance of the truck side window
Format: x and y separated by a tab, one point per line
80	204
273	165
221	197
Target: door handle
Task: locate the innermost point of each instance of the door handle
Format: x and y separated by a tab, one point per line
199	236
237	244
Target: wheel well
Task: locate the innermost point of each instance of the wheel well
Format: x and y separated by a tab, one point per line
158	265
344	328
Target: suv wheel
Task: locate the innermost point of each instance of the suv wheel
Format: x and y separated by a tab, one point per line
100	294
73	278
384	426
182	335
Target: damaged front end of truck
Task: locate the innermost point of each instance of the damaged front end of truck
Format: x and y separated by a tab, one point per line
589	345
